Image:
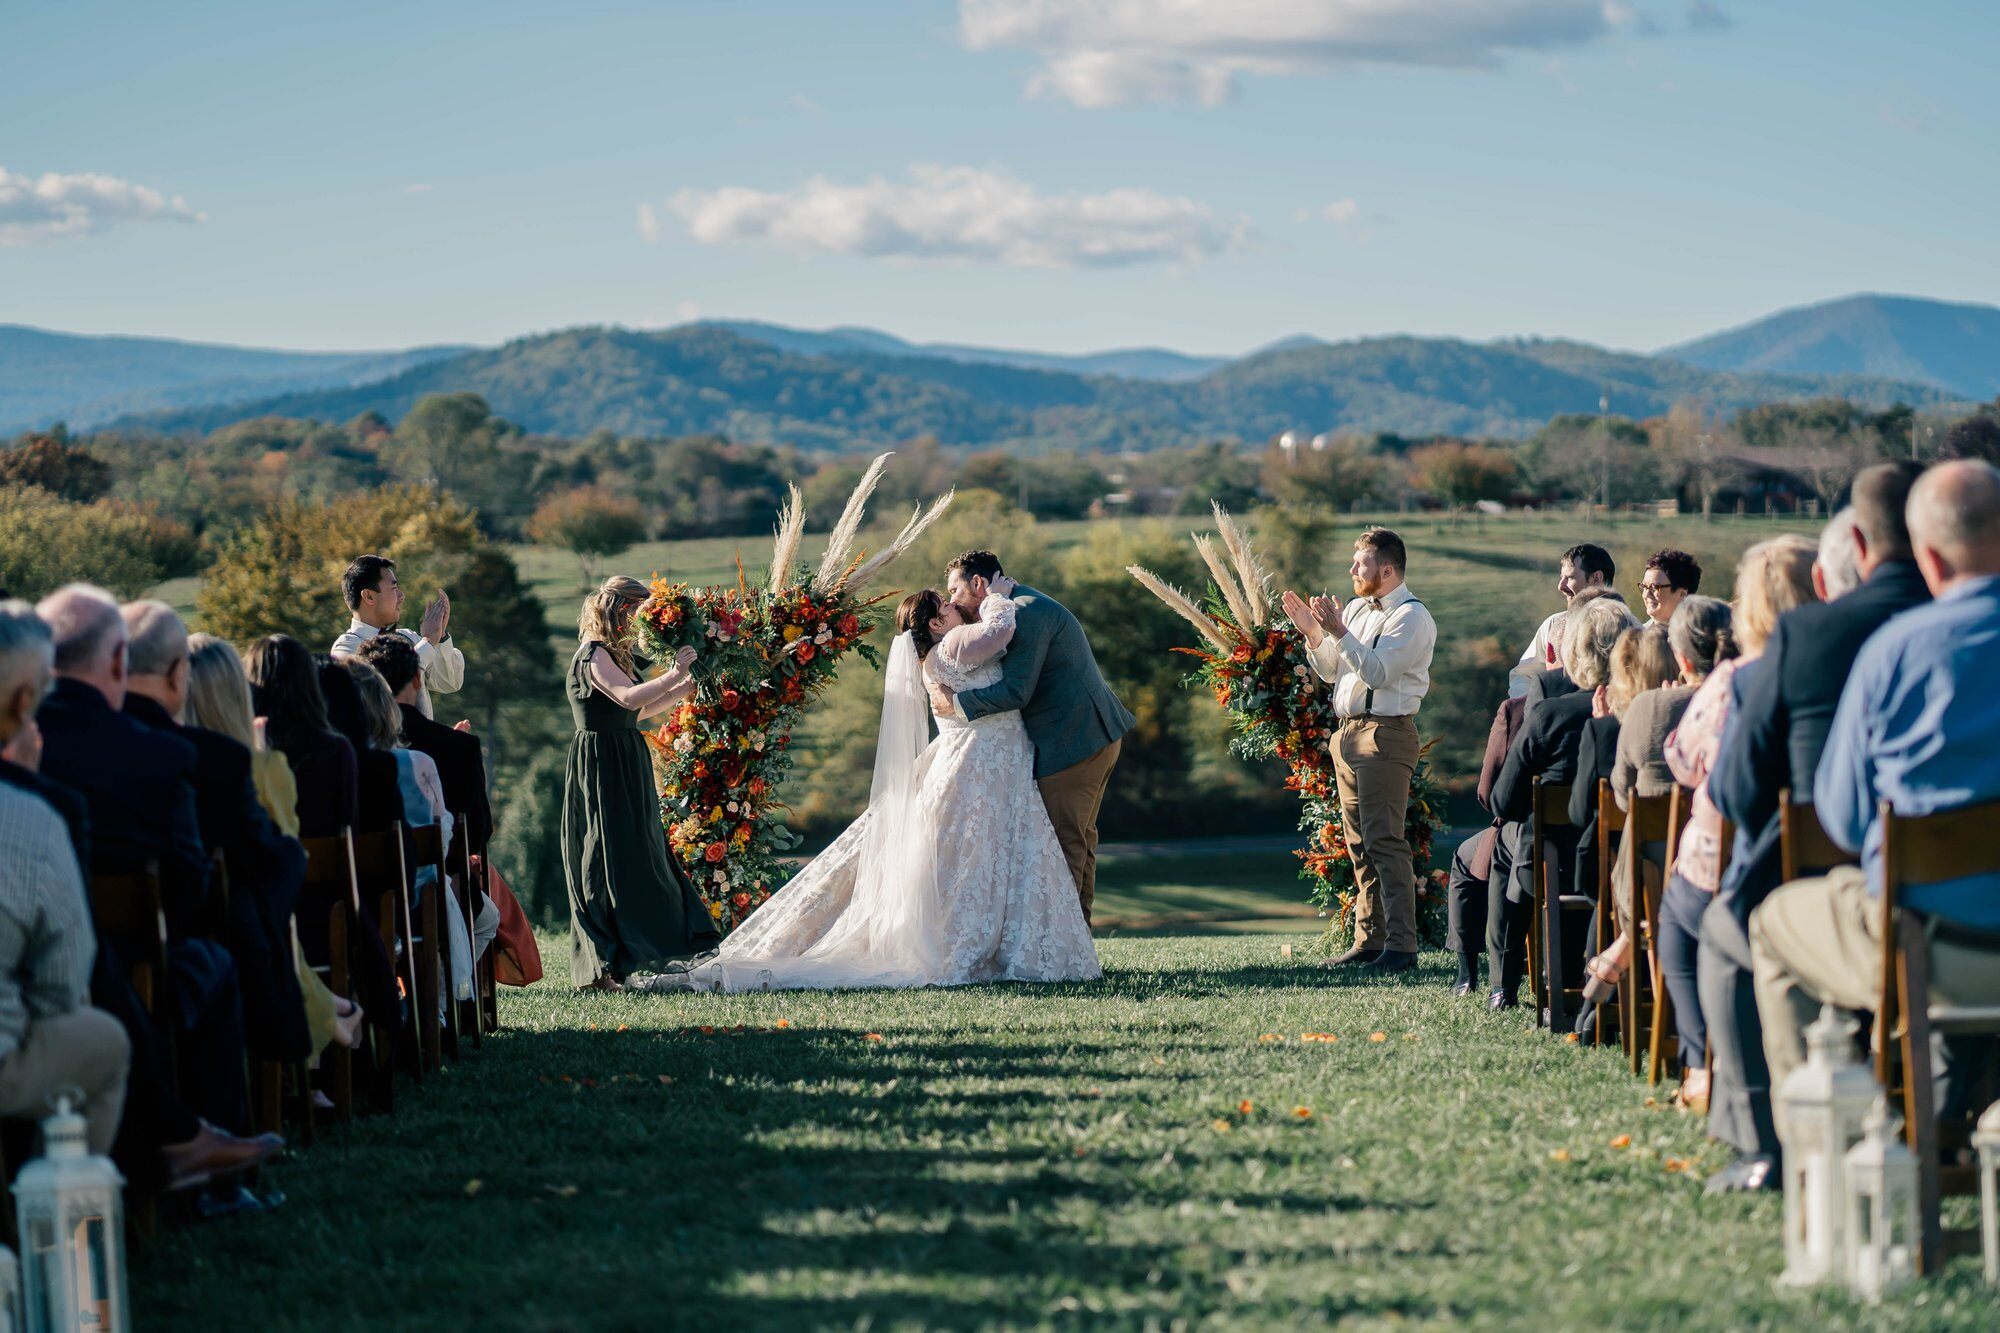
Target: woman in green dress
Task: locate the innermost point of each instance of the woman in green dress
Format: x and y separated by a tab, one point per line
632	908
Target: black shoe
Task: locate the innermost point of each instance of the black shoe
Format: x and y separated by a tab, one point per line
1461	989
1353	956
1392	960
1500	999
1748	1174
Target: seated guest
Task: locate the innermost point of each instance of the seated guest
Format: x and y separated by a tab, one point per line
1918	726
1581	566
284	683
459	765
1641	664
1786	702
378	784
419	793
139	787
1773	577
1669	576
1481	870
1552	735
138	783
50	1039
460	762
265	867
218	700
375	598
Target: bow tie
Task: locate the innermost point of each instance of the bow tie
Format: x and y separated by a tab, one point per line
1373	603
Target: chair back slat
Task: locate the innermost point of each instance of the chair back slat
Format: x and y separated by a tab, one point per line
1951	844
1805	847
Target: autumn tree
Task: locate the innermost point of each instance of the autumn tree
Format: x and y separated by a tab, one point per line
1462	474
67	471
592	523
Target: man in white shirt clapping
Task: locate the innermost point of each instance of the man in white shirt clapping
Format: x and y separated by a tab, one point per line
376	600
1376	653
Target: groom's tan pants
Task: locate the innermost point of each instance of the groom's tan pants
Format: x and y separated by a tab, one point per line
1374	759
1073	797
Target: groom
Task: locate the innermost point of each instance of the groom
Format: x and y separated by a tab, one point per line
1073	718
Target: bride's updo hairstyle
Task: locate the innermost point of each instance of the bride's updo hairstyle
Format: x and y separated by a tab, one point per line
914	618
606	618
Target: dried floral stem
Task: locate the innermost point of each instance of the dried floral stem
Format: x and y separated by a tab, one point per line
1225	583
841	540
1256	582
1182	604
791	531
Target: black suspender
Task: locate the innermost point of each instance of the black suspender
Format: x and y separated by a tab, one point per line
1368	700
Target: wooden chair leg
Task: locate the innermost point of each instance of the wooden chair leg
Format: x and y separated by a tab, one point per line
339	1060
1919	1114
429	994
269	1117
1552	956
1663	1025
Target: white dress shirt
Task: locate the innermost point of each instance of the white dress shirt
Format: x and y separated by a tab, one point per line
1544	650
443	665
1386	653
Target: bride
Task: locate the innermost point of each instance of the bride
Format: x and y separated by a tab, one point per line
952	875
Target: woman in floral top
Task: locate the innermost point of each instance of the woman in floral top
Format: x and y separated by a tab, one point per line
1773	577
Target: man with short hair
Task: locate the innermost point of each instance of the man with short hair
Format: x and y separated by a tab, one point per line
1376	653
1585	565
50	1038
1918	726
266	869
1665	582
1837	569
376	600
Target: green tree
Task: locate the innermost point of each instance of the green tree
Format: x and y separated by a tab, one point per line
592	523
452	441
1336	472
47	541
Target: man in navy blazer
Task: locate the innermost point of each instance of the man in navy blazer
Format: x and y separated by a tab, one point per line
1777	728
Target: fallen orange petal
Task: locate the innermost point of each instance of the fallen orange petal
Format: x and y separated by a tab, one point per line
1572	1037
871	1036
1245	1107
1378	1036
1559	1155
783	1023
1675	1164
624	1027
1303	1112
1622	1141
1270	1036
1219	1126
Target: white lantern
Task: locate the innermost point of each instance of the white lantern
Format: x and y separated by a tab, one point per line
1881	1208
72	1227
10	1292
1986	1140
1821	1105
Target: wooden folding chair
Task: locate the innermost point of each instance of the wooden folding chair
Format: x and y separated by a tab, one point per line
1804	848
1552	991
382	865
330	879
488	993
1610	820
1662	1052
1927	849
426	848
128	908
1648	819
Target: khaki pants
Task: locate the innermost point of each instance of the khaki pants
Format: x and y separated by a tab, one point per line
1819	941
1374	759
83	1051
1073	797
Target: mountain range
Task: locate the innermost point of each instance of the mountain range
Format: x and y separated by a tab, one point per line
850	387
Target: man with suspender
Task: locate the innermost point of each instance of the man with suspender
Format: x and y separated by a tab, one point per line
1376	653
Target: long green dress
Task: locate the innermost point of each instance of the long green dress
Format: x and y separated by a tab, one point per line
631	906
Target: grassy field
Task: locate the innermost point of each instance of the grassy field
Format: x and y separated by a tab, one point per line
1135	1153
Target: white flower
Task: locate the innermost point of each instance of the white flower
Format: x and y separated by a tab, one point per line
730	806
684	744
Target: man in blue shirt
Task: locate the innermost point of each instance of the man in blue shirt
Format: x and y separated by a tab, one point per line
1918	726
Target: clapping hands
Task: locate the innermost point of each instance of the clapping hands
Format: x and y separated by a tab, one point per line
1315	619
437	618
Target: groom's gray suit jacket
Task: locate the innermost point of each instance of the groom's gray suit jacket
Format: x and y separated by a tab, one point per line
1050	674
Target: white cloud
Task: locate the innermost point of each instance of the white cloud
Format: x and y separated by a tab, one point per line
1098	53
803	103
960	213
57	204
1339	212
686	312
417	187
650	230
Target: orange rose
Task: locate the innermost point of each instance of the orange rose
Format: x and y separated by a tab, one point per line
716	851
806	651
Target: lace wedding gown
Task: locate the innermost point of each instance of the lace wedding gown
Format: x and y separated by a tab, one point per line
951	876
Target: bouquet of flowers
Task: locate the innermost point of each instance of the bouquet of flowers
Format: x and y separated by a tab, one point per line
1257	668
765	652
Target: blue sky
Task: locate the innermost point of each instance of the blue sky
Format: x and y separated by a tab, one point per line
1060	174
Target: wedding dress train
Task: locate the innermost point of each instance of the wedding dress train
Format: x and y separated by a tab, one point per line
951	876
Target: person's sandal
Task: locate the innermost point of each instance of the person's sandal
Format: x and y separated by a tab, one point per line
1602	980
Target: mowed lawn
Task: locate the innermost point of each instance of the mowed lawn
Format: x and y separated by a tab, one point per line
1156	1150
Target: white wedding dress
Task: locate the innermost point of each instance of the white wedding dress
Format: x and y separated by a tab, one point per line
950	877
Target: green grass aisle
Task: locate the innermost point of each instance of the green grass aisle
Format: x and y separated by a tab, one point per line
1130	1154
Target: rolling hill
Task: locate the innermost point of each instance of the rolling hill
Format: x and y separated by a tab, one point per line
47	377
705	377
1951	346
